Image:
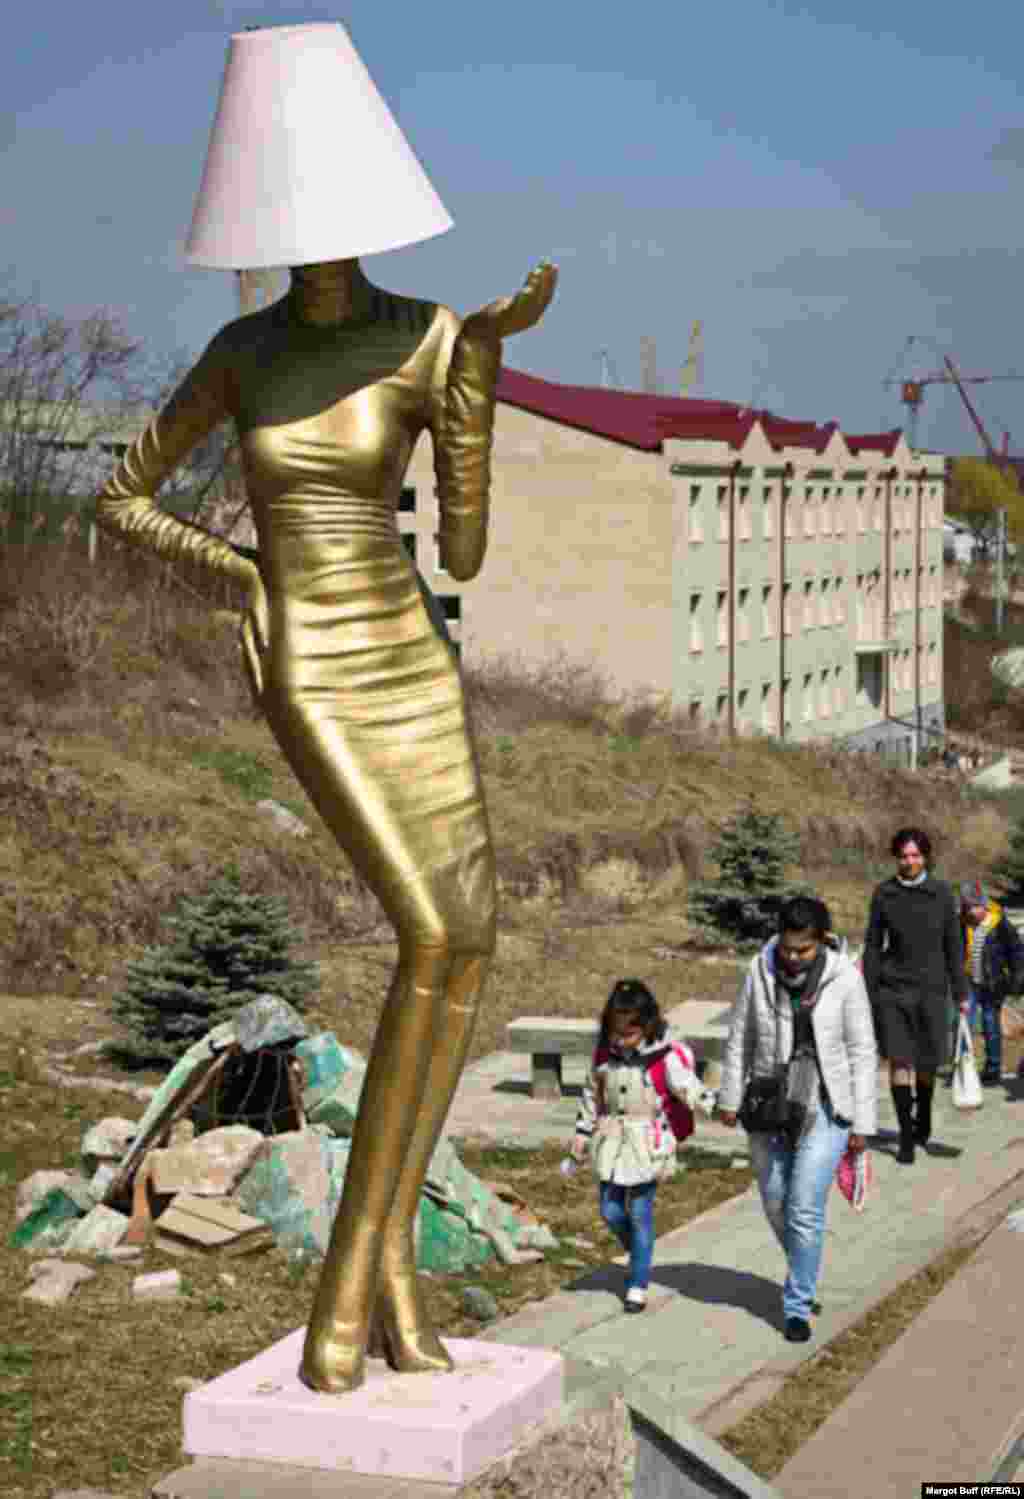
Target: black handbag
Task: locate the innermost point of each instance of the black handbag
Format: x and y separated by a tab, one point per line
765	1109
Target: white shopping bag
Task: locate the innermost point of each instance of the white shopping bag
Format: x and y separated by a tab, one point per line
967	1092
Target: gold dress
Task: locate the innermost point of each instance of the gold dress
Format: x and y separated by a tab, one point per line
366	702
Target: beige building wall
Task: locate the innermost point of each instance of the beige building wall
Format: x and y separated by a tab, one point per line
605	554
579	558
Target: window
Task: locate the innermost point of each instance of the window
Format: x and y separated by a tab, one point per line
743	614
407	500
932	667
933	586
743	710
862	511
743	528
696	713
409	542
787	722
826	602
838	696
869	680
788	503
861	608
809	620
838	603
826	512
839	518
722	612
723	512
722	709
695	522
767	610
879	509
696	634
787	608
768	512
808	713
825	695
808	512
769	721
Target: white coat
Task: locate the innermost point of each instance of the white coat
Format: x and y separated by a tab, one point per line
761	1037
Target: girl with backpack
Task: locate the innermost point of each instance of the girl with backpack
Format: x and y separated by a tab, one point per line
637	1106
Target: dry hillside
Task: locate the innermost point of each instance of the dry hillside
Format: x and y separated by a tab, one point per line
131	762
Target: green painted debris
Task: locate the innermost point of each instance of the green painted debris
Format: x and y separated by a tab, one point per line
48	1224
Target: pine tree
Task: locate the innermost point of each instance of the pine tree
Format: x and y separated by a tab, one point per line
1010	869
227	947
741	907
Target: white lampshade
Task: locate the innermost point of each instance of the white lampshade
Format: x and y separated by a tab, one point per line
305	161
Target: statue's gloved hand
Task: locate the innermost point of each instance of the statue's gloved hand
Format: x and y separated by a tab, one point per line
255	634
507	315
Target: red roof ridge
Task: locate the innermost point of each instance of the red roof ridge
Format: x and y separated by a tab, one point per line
642	420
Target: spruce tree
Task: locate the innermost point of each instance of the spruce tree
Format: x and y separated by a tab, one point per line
227	947
741	907
1010	869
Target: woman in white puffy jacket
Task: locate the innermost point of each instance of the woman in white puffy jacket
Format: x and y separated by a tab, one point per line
803	1017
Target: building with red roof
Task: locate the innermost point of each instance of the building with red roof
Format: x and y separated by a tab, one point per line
758	572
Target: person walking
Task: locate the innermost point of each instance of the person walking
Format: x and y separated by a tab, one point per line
994	965
913	958
625	1119
802	1021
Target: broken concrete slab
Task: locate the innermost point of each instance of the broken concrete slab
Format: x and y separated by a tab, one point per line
34	1188
99	1230
49	1223
332	1082
294	1184
209	1166
107	1141
158	1285
286	821
58	1281
267	1021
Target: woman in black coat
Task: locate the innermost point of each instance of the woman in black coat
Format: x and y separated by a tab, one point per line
913	957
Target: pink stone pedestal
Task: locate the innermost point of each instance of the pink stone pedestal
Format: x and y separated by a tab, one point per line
445	1428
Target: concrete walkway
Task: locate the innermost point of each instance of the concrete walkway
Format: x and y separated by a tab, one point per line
710	1341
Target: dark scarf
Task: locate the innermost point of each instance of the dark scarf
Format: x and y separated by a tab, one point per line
803	1082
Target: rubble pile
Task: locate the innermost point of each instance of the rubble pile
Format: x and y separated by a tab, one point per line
197	1171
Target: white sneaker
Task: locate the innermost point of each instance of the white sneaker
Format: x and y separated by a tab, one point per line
636	1299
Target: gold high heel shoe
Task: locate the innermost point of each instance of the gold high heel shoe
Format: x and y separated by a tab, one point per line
401	1331
334	1357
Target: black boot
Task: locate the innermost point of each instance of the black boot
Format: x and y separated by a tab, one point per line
923	1113
902	1098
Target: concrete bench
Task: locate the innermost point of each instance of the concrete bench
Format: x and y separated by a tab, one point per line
548	1040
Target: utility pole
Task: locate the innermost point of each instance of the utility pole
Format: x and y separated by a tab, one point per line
648	366
1000	564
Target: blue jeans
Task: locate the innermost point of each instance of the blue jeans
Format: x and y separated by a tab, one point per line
794	1187
990	1006
629	1213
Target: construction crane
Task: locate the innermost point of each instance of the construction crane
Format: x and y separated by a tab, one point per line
692	372
609	374
912	396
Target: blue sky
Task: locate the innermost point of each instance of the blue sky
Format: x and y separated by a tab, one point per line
816	182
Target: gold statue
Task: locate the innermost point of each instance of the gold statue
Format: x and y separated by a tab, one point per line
329	389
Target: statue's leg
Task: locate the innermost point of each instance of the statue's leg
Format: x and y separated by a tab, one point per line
333	1354
403	1331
